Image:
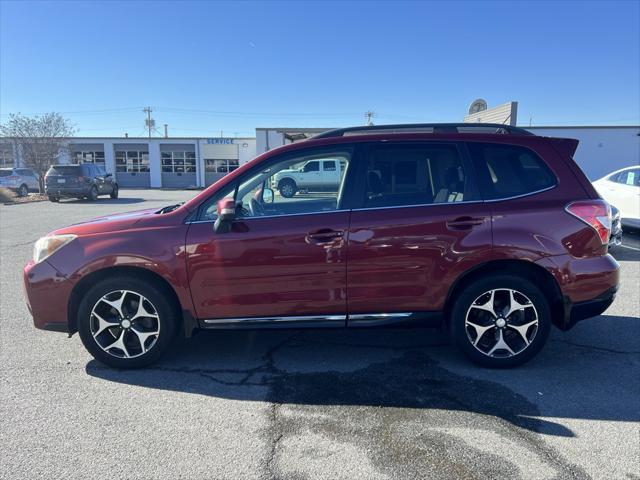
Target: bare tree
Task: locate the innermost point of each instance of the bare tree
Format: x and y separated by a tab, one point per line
39	140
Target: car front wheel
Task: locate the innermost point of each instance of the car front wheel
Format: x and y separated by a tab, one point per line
23	191
287	188
93	194
114	192
500	321
127	322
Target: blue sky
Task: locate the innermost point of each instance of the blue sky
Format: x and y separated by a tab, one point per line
211	66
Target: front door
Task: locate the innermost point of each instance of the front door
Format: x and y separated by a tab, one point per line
284	260
419	225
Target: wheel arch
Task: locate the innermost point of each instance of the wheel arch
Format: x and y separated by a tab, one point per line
87	281
538	275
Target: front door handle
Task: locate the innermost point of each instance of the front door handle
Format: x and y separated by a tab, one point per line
464	223
323	235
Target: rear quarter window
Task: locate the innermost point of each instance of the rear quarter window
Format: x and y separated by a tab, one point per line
509	170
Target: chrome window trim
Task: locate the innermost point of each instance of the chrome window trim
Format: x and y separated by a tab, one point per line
275	216
494	200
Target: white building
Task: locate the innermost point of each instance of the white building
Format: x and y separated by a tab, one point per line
155	162
199	162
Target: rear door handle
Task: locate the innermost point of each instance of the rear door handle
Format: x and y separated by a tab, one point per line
323	235
465	223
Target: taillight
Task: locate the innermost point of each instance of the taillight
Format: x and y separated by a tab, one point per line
13	177
595	213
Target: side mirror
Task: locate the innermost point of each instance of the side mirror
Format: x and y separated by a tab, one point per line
267	195
108	175
226	215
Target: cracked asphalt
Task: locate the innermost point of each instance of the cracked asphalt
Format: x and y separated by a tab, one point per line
311	404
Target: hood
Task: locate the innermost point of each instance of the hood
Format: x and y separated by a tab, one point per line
109	223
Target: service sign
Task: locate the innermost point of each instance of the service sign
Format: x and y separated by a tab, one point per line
220	141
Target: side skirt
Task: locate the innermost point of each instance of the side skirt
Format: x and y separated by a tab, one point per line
355	320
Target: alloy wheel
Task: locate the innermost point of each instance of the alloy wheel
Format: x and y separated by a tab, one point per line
124	324
501	323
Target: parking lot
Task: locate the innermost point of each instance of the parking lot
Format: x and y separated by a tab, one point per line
311	404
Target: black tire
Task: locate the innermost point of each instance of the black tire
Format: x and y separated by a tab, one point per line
168	318
287	188
461	334
23	191
54	199
114	192
93	194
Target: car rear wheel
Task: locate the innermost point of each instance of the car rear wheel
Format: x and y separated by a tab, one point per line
500	321
114	192
93	194
126	322
23	191
287	188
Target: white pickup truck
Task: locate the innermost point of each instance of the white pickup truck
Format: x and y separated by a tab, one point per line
313	176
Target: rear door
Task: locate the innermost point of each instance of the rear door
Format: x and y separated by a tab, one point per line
420	223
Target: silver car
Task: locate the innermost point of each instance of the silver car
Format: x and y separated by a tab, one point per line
20	180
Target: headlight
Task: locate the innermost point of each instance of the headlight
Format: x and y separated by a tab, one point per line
45	246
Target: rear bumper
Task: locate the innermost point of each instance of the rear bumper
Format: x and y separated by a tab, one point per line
55	191
588	285
590	308
47	293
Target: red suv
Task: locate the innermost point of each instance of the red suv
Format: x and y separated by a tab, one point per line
489	230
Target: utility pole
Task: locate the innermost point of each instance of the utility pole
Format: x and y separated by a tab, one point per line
369	115
166	133
150	123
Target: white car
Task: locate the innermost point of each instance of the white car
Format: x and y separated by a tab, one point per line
622	189
314	175
20	180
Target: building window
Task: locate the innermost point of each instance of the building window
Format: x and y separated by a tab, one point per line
6	156
178	162
88	157
132	161
220	165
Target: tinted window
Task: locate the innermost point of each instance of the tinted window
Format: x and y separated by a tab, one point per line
629	177
6	173
329	166
508	170
415	175
312	167
101	171
65	170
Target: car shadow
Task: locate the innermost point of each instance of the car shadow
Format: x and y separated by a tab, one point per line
110	201
401	369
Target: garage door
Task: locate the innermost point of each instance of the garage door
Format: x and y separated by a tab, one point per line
132	165
178	165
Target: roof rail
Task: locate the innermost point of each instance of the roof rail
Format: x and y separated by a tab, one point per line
420	127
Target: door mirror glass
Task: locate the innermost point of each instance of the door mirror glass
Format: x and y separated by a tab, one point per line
267	195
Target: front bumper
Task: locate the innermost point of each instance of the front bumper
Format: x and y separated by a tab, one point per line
47	293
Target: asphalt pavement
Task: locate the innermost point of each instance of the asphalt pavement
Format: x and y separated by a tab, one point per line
337	404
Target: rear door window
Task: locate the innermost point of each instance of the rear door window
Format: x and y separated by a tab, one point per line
416	174
509	170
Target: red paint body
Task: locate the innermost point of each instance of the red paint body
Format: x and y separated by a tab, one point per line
386	259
